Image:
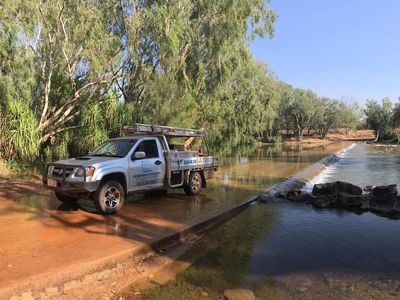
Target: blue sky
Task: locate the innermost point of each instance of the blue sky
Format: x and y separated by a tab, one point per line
344	49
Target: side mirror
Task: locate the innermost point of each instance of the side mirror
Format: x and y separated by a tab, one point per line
139	155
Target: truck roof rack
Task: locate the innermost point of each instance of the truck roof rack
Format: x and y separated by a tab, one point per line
138	128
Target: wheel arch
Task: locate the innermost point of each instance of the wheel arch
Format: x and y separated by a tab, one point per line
201	172
117	176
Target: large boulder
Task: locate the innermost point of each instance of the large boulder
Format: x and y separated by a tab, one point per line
348	188
382	204
333	188
385	191
324	189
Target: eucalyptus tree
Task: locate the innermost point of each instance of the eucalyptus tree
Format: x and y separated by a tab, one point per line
72	56
330	116
396	120
286	98
379	117
302	110
182	57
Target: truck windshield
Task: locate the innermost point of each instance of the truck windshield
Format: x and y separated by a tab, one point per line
113	148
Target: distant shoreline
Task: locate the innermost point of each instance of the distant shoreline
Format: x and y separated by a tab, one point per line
337	136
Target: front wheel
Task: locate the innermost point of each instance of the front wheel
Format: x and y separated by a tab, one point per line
66	199
194	185
109	198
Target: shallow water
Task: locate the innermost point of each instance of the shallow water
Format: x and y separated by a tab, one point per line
365	165
242	177
285	250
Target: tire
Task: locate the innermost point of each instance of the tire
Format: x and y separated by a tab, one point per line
109	197
194	185
66	199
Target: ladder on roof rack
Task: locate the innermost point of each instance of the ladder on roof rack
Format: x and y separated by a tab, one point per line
164	130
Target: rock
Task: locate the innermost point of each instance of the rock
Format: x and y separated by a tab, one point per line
239	294
365	206
349	200
384	191
396	205
299	198
322	201
324	189
368	188
333	188
349	188
383	204
281	195
293	193
204	294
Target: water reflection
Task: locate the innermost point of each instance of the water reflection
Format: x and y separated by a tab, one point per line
227	260
285	243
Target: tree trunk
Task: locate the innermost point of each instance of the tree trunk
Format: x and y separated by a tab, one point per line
324	132
300	134
377	136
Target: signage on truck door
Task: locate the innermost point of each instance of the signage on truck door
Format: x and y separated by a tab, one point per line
147	172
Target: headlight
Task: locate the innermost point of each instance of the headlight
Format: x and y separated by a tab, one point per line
89	172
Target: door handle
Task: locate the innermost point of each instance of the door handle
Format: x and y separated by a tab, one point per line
157	162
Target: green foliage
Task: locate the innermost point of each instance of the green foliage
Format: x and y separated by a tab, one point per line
19	138
93	130
379	117
273	139
58	147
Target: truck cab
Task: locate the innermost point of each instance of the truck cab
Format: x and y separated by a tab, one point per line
142	160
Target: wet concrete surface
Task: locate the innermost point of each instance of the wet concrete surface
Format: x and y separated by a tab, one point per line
46	236
40	236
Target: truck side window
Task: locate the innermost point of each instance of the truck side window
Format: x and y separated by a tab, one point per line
149	147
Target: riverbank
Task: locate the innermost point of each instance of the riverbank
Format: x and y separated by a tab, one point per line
334	137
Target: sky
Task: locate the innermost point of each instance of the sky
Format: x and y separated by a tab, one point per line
342	49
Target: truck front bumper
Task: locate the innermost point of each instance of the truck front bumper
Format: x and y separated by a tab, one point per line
71	187
62	183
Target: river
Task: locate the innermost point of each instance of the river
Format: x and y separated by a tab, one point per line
283	250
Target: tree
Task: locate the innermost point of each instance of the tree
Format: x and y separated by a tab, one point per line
379	117
301	110
396	120
185	56
74	59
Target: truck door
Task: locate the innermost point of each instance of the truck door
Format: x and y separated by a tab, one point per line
147	172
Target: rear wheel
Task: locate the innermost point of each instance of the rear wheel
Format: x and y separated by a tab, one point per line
66	199
109	197
194	185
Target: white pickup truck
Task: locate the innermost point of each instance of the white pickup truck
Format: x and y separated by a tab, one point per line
143	160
